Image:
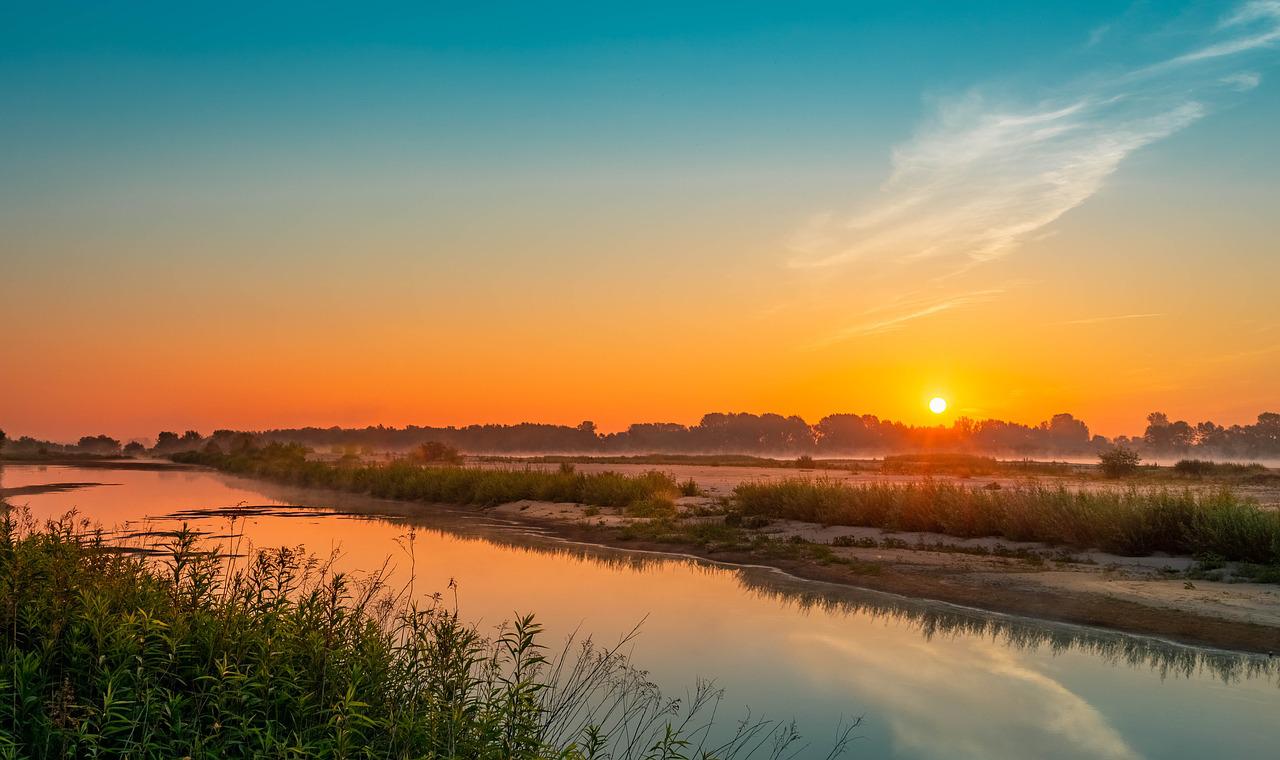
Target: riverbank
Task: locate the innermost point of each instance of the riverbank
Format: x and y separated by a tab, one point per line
1151	596
1197	601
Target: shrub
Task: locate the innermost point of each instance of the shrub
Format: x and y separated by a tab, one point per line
434	452
1118	462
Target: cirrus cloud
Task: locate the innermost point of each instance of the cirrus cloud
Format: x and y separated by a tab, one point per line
980	177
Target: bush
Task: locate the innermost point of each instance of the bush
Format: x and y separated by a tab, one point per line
1118	462
434	452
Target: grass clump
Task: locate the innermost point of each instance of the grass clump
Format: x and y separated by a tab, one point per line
939	463
109	654
1200	468
651	508
412	481
1131	522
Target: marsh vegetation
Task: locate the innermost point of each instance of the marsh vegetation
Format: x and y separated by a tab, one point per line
1133	521
411	480
107	653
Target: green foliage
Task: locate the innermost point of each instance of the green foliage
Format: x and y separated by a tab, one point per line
109	654
1131	522
1118	462
410	481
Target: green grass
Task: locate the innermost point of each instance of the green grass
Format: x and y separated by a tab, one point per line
447	484
107	654
1131	522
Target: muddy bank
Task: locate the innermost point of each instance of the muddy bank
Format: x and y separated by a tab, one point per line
97	463
48	488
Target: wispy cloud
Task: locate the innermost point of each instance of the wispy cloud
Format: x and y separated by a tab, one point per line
915	311
1097	34
1256	24
980	177
1112	318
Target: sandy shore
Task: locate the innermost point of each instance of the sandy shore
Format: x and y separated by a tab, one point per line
1145	595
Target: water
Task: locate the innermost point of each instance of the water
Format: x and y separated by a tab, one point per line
928	680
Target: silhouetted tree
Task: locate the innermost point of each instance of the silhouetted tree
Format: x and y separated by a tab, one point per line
1163	435
99	444
167	441
773	434
1066	433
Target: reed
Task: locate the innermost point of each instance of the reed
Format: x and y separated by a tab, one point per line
447	484
1131	521
110	654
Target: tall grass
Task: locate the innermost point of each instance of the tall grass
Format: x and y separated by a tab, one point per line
1130	522
939	462
966	465
1199	468
105	654
443	484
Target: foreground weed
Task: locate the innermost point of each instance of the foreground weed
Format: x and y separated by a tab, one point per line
105	653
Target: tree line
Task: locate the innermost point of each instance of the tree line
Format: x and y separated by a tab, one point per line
739	433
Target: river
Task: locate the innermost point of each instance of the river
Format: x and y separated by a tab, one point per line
928	680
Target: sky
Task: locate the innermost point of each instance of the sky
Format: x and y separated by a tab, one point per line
269	215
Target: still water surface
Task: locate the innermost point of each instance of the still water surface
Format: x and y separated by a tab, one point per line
928	680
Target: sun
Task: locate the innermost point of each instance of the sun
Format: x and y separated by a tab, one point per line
937	405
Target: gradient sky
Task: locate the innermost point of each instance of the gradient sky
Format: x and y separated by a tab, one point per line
247	216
